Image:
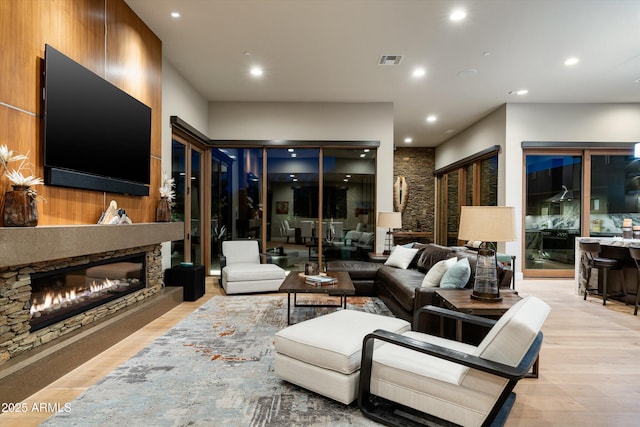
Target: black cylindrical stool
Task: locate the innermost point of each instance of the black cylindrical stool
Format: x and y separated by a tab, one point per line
635	255
592	259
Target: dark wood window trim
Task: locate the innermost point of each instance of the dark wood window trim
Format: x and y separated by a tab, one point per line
491	151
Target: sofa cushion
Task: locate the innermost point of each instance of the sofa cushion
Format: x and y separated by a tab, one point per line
457	275
243	272
358	270
400	284
401	257
434	276
431	255
420	247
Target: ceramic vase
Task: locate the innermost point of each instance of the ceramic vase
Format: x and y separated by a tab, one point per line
163	210
20	207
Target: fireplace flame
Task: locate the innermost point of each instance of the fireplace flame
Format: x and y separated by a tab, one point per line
54	300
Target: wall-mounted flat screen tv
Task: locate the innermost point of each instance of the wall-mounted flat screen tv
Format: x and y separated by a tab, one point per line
96	136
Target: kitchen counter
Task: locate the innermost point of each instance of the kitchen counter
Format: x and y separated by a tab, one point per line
613	247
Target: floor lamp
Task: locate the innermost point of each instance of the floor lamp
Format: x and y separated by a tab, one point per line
487	224
389	220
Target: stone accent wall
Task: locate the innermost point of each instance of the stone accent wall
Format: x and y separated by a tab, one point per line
15	293
417	166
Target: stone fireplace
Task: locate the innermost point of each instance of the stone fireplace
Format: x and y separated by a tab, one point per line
35	260
64	292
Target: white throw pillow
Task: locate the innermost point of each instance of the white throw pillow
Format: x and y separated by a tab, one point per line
433	276
401	257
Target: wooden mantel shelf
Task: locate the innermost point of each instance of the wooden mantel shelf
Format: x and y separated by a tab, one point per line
26	245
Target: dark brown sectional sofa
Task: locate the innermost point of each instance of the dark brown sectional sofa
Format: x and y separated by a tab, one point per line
401	290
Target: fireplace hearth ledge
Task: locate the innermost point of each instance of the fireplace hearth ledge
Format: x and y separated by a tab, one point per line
26	245
29	372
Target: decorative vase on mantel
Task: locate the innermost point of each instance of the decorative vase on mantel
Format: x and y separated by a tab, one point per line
20	207
163	210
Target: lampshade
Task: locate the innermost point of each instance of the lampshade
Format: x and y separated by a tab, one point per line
487	223
390	220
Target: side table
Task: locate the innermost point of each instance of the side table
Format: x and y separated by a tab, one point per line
191	278
378	257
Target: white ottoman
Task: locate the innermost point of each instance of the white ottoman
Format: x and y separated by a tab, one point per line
323	354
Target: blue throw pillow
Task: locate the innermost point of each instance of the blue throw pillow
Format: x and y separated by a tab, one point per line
456	276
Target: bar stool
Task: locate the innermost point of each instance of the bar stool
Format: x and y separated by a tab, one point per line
594	260
635	255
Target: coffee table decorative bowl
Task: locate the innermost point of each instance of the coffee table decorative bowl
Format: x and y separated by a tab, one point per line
295	283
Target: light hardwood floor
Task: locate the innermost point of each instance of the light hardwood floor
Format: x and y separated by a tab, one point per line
589	364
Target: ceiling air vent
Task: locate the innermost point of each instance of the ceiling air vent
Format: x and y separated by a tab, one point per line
390	60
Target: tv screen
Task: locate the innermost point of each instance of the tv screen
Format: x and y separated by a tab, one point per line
96	136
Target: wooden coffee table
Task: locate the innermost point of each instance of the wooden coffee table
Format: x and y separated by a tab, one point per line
460	300
294	284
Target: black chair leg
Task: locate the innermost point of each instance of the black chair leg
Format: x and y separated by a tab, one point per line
604	286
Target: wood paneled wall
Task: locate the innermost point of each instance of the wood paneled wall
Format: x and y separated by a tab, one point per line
106	37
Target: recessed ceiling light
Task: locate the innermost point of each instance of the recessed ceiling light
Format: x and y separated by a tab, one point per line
458	15
175	15
294	155
408	140
291	150
348	176
362	155
345	180
419	72
571	61
518	92
432	118
366	150
256	71
469	72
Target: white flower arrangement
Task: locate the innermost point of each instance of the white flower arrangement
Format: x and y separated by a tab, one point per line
166	188
16	176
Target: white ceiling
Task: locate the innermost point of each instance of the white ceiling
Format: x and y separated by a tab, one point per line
328	50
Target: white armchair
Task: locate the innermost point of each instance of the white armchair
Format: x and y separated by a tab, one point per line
306	230
447	381
287	231
242	271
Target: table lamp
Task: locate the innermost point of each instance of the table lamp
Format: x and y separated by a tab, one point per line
487	224
389	220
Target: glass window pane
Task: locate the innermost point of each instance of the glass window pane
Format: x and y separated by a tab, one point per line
178	171
293	205
196	224
615	193
220	205
452	208
348	203
553	210
489	181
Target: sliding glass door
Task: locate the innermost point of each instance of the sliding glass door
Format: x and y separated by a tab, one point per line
305	202
188	173
553	213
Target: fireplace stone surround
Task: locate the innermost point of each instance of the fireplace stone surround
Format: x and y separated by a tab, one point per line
24	251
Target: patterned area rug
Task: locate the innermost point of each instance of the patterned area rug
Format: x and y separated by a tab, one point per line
215	368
